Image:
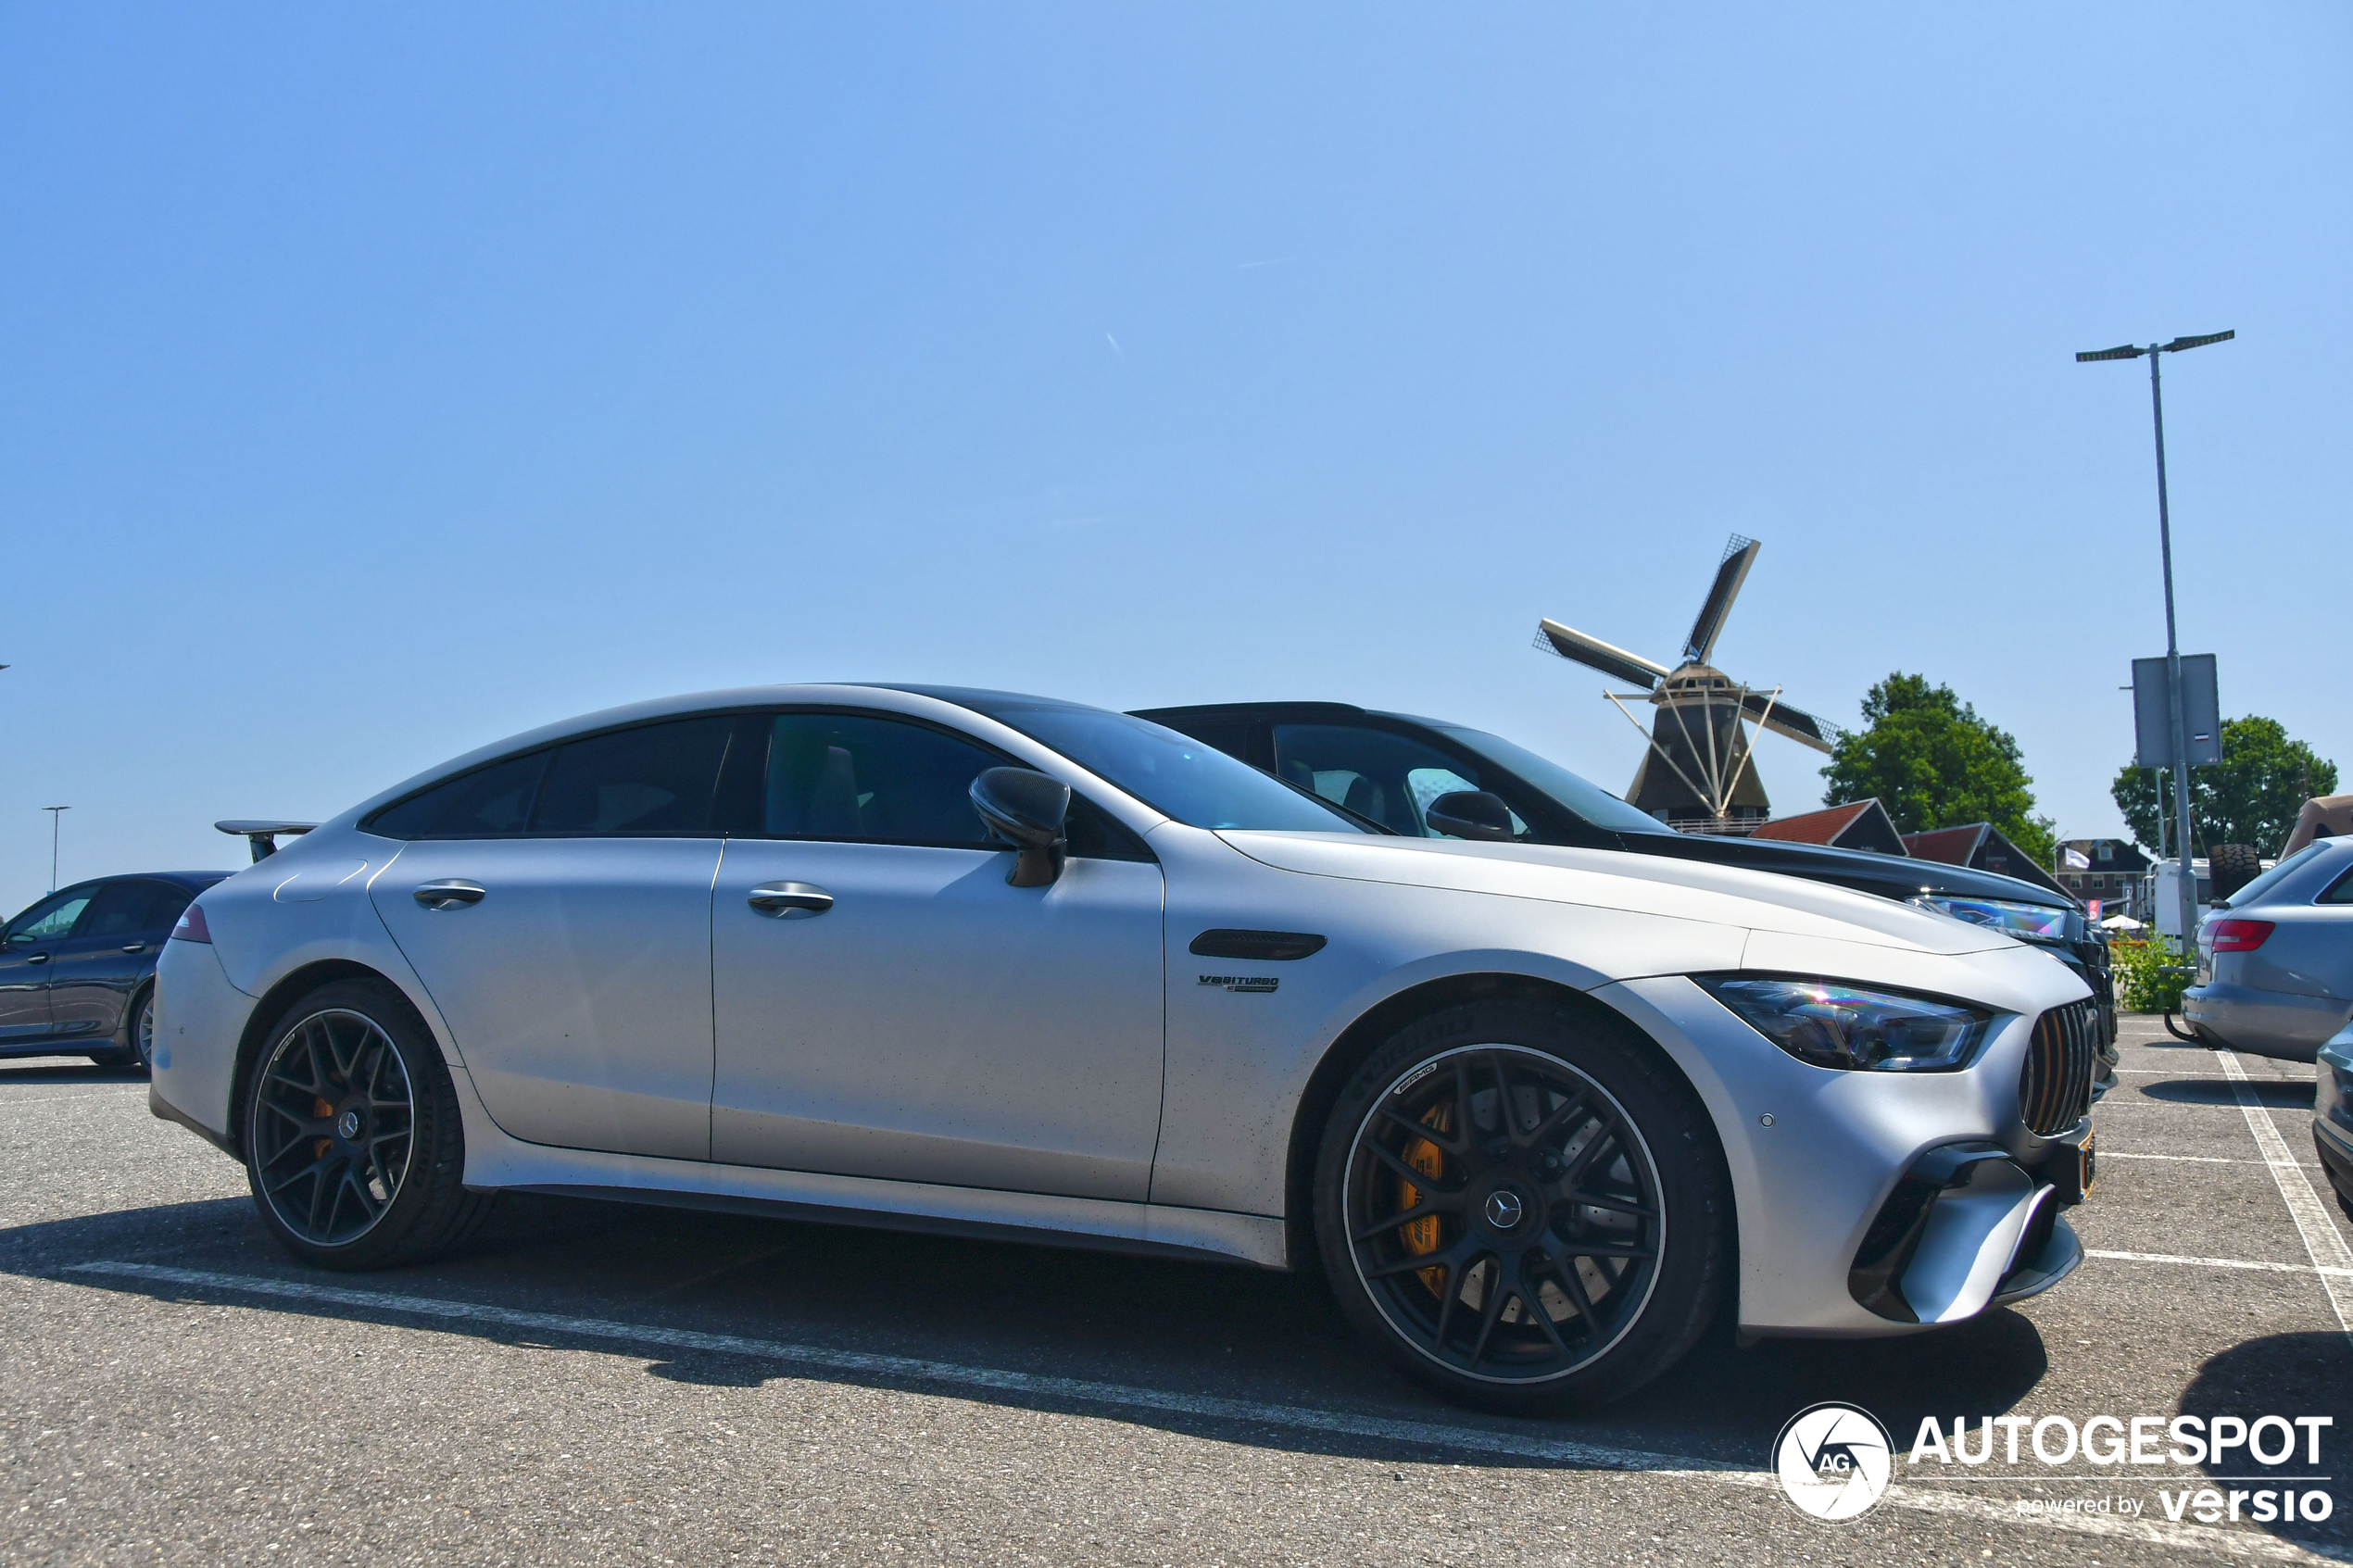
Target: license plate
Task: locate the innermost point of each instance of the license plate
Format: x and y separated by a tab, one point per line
2088	1167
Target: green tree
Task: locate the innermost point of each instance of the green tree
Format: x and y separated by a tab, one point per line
2251	796
1935	763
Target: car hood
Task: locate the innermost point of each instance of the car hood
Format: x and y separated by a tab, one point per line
1616	879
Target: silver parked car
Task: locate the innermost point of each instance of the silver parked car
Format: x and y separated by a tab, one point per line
2275	961
997	965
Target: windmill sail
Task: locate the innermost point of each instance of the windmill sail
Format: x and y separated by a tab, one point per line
1615	662
1731	573
1783	720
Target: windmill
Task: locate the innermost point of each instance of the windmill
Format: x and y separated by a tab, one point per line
1699	774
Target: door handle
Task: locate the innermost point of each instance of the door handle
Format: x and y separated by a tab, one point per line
44	958
447	893
791	900
135	947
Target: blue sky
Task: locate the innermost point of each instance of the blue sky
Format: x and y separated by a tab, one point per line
377	382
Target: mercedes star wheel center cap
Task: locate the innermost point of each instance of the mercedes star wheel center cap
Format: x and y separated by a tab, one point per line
348	1125
1504	1209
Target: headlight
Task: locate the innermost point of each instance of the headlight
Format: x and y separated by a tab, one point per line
1834	1026
2034	923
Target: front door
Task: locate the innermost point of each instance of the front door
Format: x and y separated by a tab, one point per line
571	958
27	954
932	1023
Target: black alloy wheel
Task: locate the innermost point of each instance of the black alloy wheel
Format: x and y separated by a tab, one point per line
1497	1210
333	1127
353	1146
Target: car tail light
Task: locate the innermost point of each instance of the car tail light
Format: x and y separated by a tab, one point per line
2240	935
191	927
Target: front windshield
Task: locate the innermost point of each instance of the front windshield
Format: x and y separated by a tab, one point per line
1175	775
1583	796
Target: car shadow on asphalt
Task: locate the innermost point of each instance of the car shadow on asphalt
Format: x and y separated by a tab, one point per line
70	1070
2287	1375
2280	1094
1195	1329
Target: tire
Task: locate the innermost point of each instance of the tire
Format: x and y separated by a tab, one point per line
2232	867
353	1144
1532	1302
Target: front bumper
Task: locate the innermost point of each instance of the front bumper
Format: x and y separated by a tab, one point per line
1817	1156
1967	1227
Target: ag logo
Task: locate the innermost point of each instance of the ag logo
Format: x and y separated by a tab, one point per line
1832	1461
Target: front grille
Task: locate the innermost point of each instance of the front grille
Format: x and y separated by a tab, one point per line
2055	1090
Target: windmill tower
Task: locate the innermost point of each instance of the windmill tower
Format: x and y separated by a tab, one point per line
1699	774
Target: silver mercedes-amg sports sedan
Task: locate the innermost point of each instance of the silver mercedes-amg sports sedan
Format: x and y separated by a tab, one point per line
1004	966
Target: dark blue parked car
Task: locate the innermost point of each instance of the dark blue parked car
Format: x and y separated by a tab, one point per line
77	968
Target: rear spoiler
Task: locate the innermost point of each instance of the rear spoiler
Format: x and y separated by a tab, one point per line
263	836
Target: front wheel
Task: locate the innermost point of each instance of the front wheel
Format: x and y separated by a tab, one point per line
1523	1208
353	1148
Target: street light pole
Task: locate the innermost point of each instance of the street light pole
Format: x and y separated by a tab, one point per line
57	816
2186	883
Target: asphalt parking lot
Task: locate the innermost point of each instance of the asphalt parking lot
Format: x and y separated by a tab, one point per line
594	1383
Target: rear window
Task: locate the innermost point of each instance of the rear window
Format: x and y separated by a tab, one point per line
2264	883
491	802
652	781
130	909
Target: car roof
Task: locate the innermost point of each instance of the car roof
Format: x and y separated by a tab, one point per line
195	880
1272	710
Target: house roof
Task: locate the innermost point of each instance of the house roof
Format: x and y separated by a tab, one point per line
1833	825
1984	846
1813	827
1952	846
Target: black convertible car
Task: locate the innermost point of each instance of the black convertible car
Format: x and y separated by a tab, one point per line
1397	770
77	968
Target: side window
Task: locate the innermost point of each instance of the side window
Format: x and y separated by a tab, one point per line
657	778
855	777
50	921
132	909
491	802
1096	835
1389	778
2340	890
166	903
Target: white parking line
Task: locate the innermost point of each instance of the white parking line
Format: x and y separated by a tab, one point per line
2216	1263
2250	1543
2331	1258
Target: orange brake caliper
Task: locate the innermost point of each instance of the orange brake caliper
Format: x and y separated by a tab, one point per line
1421	1236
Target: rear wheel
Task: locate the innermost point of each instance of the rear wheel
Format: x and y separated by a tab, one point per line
353	1148
1522	1207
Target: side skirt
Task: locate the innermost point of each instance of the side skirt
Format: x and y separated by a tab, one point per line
1022	1232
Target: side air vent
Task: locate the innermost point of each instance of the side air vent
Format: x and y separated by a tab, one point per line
2055	1090
1260	945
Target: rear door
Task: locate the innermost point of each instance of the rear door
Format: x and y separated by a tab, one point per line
26	955
111	952
558	907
